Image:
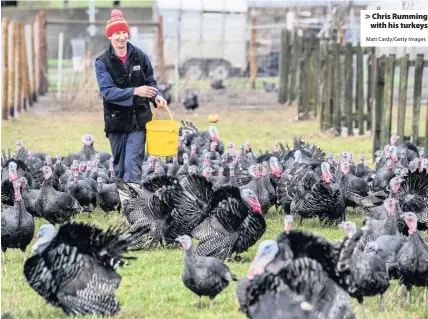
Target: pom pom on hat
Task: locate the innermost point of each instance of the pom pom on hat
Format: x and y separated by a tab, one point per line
116	24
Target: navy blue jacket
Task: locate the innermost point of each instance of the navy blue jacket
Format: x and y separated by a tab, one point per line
111	92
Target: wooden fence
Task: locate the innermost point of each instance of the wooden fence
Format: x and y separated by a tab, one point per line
24	64
326	79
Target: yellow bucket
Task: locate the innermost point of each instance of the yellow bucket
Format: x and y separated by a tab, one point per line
162	135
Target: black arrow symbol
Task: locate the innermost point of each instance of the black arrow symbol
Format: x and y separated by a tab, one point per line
367	16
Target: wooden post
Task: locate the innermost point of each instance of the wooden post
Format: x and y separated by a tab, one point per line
24	68
33	63
253	54
419	69
387	101
283	67
371	85
349	77
303	88
294	65
337	84
320	76
12	69
380	87
312	74
326	109
360	90
42	49
160	59
5	66
317	55
402	95
19	68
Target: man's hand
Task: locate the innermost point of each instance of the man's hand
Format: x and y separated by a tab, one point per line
160	101
145	91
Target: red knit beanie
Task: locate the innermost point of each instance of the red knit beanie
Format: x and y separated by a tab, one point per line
116	23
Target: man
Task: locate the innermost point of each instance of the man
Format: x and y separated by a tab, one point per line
125	78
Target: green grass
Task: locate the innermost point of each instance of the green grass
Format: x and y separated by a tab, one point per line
151	286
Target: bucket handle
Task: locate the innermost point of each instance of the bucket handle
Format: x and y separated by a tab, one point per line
165	107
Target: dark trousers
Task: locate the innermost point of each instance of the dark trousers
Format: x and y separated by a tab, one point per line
128	153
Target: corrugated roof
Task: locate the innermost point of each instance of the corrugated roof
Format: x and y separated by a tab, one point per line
206	5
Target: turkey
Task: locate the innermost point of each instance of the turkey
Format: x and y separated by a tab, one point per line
190	100
359	274
275	266
257	186
234	224
87	153
75	269
191	205
413	196
283	303
319	197
164	90
30	197
55	206
83	192
412	259
149	209
17	225
108	196
386	227
204	276
14	168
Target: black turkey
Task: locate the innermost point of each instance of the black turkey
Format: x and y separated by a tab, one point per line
276	266
190	100
108	196
204	276
17	225
75	269
55	206
164	90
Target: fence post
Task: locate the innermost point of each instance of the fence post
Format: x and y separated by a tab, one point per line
283	67
380	87
43	63
402	95
326	107
12	69
19	69
360	90
5	65
27	67
312	74
253	54
320	74
419	70
336	85
59	75
24	69
349	77
33	62
371	84
387	101
160	59
294	65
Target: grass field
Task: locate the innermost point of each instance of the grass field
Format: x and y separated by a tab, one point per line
151	286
